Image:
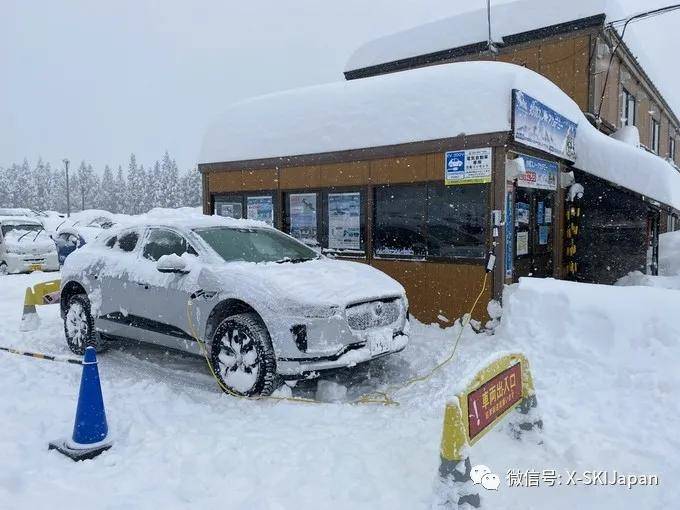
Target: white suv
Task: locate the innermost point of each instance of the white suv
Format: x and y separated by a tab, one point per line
265	304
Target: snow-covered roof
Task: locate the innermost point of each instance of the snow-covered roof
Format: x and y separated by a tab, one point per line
423	104
471	27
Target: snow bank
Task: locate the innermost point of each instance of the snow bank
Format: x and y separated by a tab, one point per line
604	361
603	358
422	104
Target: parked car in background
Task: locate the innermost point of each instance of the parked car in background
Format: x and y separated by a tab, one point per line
69	238
266	305
25	246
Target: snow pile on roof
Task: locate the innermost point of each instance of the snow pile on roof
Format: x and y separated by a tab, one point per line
471	27
422	104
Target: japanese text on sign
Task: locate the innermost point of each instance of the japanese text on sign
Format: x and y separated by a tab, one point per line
493	398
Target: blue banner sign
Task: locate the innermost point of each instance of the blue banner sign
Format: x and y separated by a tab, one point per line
537	125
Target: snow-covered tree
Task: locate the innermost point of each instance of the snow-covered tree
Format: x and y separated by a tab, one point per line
136	187
41	178
106	198
190	188
119	192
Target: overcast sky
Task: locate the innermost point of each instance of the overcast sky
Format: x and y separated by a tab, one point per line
96	79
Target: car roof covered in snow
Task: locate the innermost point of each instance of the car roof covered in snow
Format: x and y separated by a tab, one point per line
471	27
186	222
19	220
429	103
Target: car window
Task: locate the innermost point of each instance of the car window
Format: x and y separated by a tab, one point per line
165	242
255	245
111	242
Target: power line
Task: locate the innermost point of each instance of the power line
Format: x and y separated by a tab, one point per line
626	21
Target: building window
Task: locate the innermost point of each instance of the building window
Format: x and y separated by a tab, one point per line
671	148
400	217
302	217
629	108
344	221
456	221
256	206
655	135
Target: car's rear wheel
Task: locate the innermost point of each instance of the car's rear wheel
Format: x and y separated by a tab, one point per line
79	325
3	269
242	356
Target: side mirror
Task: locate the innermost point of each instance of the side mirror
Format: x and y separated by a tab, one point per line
172	264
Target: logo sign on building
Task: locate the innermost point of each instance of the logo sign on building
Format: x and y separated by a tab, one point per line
537	125
539	174
493	398
471	166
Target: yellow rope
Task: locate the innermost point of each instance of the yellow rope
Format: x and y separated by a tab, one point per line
375	397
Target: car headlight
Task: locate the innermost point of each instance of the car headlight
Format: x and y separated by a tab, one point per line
314	312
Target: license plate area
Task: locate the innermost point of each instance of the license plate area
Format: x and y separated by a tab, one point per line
380	342
35	267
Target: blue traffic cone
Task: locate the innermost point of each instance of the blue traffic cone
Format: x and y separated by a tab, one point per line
90	428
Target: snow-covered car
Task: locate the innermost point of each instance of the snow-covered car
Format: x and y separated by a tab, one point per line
264	304
71	237
25	246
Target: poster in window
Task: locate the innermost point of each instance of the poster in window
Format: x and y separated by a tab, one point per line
543	234
509	230
540	213
230	209
261	209
548	215
303	217
522	247
344	221
467	167
522	213
538	174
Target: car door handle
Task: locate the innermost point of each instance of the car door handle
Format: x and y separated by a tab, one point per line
145	285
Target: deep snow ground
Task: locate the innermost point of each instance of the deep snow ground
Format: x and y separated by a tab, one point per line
604	361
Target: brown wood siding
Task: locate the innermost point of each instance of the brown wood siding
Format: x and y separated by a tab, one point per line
435	289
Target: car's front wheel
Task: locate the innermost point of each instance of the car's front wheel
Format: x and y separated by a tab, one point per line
79	325
242	356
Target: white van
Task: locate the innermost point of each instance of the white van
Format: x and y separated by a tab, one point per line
25	246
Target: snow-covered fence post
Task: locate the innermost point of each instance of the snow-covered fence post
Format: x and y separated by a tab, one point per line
501	385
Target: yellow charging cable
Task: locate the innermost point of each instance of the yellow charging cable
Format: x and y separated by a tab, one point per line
374	397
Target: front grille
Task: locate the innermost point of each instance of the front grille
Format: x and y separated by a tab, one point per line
373	314
34	260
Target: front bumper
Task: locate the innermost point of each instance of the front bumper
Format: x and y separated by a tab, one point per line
25	262
351	355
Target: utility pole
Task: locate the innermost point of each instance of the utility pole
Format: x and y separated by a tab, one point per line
490	46
68	192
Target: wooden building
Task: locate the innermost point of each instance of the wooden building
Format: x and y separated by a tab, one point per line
423	174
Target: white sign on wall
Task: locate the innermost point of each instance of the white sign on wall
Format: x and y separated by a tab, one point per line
472	166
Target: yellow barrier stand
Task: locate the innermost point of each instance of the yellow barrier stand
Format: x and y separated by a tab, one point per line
45	293
495	391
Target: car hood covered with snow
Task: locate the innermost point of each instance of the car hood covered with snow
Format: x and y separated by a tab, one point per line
324	281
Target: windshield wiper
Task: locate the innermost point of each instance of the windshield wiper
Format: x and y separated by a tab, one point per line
24	235
295	260
36	236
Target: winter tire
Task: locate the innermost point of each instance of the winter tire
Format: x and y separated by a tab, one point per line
242	355
3	269
79	326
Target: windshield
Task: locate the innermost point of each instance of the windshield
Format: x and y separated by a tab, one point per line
20	228
255	245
